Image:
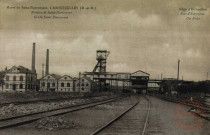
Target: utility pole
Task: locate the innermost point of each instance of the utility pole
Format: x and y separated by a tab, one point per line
178	70
178	79
79	80
161	76
207	76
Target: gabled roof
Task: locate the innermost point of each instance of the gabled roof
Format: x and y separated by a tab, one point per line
87	78
56	76
66	76
53	75
21	69
143	73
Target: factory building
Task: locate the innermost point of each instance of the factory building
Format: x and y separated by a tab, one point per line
139	81
66	84
49	82
85	84
20	79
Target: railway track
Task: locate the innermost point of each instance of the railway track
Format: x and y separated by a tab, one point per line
41	100
132	121
28	118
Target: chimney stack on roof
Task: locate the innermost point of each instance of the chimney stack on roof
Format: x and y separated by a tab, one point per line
47	62
33	58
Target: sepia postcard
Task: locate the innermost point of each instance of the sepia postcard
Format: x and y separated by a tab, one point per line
111	67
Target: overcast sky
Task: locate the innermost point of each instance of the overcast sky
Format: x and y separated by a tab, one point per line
148	35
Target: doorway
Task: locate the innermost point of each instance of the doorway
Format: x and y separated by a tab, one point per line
14	87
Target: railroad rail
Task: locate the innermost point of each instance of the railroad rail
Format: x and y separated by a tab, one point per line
28	118
129	121
42	100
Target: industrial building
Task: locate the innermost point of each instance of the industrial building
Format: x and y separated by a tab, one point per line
20	79
66	84
85	84
108	81
49	82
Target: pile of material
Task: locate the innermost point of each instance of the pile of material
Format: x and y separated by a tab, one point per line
15	110
55	123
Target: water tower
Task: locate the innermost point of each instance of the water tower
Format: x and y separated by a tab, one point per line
101	56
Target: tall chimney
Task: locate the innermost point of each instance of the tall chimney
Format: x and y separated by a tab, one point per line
42	70
47	62
33	58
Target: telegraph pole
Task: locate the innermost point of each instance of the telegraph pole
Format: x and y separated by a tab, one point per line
178	70
178	79
79	80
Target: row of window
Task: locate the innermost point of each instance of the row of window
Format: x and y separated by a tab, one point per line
20	78
14	78
83	84
62	84
53	84
14	86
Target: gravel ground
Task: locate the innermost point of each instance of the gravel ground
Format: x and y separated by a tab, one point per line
162	120
77	123
14	110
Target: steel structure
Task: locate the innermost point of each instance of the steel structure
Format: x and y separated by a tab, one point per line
101	56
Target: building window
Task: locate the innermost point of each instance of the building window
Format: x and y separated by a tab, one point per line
65	78
62	84
21	86
112	75
48	77
104	75
82	88
68	84
21	78
98	75
87	84
83	80
43	84
7	86
7	78
83	84
53	84
14	78
48	85
78	84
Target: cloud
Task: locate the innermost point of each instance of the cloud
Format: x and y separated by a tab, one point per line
121	19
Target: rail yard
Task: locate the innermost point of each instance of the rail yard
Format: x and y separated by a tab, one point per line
100	102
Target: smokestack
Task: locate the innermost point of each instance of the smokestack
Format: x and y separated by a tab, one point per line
42	70
33	58
47	62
